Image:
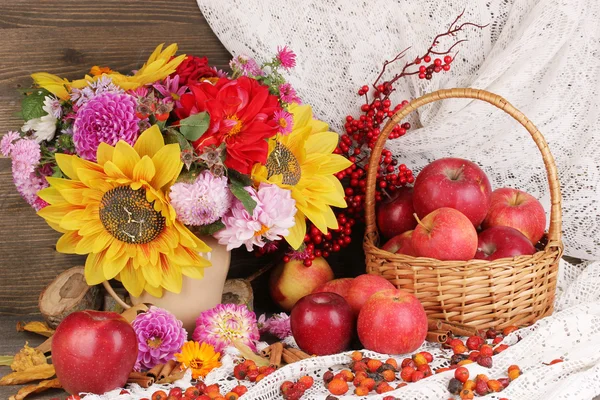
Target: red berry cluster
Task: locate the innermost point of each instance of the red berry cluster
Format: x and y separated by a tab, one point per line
295	390
200	391
248	370
480	385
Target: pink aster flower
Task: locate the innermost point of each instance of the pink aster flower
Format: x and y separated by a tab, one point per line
271	219
25	155
160	335
288	94
220	73
286	57
108	117
226	323
202	202
285	121
245	66
171	90
277	325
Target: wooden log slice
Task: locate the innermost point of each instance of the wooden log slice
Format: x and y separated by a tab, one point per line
66	294
238	291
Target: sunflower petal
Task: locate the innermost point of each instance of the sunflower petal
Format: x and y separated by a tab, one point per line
322	142
149	142
65	163
154	291
113	267
193	271
73	220
93	270
132	279
167	162
68	242
51	196
296	236
125	158
104	153
172	278
54	213
153	274
335	163
113	171
144	170
103	240
85	245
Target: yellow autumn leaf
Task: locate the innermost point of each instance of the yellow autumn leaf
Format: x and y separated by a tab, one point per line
40	387
26	358
41	328
34	373
6	360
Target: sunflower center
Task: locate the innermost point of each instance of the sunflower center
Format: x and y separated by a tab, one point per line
129	217
196	364
154	342
235	129
283	161
261	231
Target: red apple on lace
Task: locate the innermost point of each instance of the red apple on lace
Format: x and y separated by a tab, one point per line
502	241
454	183
395	215
291	281
519	210
400	244
445	234
339	286
322	323
392	322
93	351
363	287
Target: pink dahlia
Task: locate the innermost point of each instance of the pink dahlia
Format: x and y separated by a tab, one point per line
226	323
108	118
277	325
160	335
288	94
286	57
285	121
271	219
202	202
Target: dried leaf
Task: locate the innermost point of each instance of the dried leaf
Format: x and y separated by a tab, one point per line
35	373
26	358
132	312
36	327
6	360
175	376
248	354
40	387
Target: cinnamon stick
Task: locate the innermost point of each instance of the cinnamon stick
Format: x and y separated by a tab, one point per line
167	369
299	353
289	357
155	372
176	374
176	369
266	352
434	325
459	329
436	336
276	352
140	379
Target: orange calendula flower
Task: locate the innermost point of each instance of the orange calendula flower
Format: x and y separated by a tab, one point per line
200	358
97	71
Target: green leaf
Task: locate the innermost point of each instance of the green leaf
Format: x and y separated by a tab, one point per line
6	360
174	136
242	195
57	173
194	126
238	177
209	230
31	106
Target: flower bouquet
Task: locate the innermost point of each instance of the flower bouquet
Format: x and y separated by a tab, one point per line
134	169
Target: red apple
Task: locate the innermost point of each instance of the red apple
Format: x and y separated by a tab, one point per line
363	287
93	351
519	210
454	183
293	280
339	286
322	323
445	234
395	215
392	322
400	244
502	241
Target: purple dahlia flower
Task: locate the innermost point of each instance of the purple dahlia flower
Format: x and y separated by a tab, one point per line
108	117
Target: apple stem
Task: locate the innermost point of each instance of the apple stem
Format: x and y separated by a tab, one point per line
419	221
386	193
458	172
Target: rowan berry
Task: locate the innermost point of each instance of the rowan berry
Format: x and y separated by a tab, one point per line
356	356
440	370
509	329
408	362
373	365
465	362
427	59
466	394
285	386
293	394
419	359
327	377
504	382
361	391
485	361
307	381
499	349
203	397
491	333
454	386
474	342
486	350
338	387
388	375
497	340
231	396
346	374
494	385
425	369
192	391
369	383
240	390
176	392
481	388
459	349
406	373
201	386
158	395
383	387
513	372
417	376
462	374
473	355
392	362
482	377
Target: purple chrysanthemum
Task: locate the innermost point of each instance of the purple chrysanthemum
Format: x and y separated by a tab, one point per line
277	325
226	323
288	94
286	57
245	66
160	335
107	118
202	202
285	121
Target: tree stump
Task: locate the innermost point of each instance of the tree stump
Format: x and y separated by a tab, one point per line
66	294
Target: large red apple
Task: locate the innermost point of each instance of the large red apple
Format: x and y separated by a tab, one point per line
363	287
322	323
454	183
293	280
400	244
519	210
395	215
392	322
445	234
339	286
93	351
502	241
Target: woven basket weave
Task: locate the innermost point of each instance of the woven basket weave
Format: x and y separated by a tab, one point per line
477	293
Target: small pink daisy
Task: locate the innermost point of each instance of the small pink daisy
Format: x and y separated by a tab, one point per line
288	94
286	57
285	121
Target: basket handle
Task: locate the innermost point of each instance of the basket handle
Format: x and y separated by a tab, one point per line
554	232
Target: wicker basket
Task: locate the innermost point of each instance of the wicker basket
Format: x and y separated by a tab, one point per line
477	293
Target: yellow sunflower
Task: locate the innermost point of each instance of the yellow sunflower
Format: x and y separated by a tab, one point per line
116	211
201	358
303	163
160	64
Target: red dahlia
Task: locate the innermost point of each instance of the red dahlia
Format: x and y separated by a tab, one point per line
192	69
241	116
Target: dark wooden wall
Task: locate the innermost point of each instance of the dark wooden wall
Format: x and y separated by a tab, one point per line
67	37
